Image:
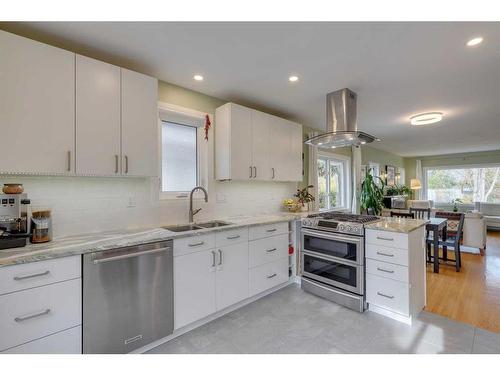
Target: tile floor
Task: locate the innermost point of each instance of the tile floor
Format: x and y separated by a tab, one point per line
292	321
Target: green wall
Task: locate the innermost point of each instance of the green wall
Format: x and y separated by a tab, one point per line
371	154
170	93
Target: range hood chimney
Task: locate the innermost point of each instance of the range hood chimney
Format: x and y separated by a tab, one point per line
341	123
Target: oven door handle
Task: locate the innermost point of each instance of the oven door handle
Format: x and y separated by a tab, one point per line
333	236
332	259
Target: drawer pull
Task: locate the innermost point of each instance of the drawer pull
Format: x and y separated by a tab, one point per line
385	254
26	317
385	239
233	237
383	270
19	278
271	230
132	339
271	250
220	257
385	295
273	275
196	244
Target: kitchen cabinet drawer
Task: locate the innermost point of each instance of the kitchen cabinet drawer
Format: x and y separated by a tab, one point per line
388	294
389	239
262	231
387	254
65	342
389	270
193	244
37	312
229	237
30	275
267	250
268	275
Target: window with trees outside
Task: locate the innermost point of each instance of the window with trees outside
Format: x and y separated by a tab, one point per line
469	184
333	182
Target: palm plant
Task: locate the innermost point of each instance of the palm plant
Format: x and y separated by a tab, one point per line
371	194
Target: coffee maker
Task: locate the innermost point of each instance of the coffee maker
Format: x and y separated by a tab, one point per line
14	220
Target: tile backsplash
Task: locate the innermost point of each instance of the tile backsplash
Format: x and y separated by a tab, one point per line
91	204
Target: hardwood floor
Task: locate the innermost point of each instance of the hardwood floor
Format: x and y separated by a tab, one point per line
472	295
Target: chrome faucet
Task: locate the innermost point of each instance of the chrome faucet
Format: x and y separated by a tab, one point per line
191	212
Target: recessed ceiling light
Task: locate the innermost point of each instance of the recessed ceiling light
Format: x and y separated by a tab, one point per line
474	41
334	146
426	118
293	78
363	142
198	77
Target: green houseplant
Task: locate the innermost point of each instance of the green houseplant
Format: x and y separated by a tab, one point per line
455	203
371	195
303	196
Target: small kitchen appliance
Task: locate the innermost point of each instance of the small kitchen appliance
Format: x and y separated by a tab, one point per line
333	257
14	220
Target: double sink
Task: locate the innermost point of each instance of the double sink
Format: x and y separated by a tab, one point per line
197	226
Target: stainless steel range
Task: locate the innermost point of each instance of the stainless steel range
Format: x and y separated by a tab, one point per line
333	257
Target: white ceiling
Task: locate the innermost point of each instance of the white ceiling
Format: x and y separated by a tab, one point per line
397	69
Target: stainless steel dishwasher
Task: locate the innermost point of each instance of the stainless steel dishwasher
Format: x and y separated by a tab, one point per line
128	297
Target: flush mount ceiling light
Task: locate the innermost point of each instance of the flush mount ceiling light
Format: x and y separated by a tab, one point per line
474	41
198	77
293	78
426	118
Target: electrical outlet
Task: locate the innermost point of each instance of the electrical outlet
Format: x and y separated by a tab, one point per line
132	202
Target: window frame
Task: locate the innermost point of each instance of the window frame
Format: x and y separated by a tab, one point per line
346	183
202	148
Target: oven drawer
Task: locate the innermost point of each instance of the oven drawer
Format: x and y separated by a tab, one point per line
65	342
30	275
268	275
267	250
262	231
389	270
385	238
38	312
388	294
387	254
193	244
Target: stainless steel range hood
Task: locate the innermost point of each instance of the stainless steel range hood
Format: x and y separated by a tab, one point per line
341	123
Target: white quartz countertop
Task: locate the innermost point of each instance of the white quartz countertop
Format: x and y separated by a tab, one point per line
91	242
397	224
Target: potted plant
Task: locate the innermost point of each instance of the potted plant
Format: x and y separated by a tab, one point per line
303	196
371	195
455	202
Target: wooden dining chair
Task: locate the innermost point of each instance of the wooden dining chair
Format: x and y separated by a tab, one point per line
409	215
421	213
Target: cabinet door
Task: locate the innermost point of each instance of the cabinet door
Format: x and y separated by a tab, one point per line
294	159
194	287
279	149
232	275
139	124
240	128
261	123
37	104
97	117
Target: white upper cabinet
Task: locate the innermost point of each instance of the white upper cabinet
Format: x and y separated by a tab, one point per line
37	104
139	124
252	145
97	117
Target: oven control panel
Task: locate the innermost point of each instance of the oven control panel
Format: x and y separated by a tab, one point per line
333	226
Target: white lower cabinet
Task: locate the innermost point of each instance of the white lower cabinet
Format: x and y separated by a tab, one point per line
68	341
268	276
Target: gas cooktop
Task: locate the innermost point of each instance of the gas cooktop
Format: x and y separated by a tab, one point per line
339	222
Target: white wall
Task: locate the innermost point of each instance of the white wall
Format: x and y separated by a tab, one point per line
85	204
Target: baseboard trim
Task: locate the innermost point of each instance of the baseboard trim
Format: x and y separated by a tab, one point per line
390	314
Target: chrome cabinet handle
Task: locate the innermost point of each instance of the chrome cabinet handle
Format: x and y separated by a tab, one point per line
385	254
19	278
271	230
383	270
385	238
385	295
131	255
271	276
116	163
273	173
233	237
220	257
126	164
251	170
69	161
132	339
271	250
213	258
26	317
255	172
196	244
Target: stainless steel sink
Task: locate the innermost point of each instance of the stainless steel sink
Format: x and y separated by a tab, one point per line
213	224
182	228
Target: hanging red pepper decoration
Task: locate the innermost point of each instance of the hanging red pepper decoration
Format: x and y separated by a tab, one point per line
207	126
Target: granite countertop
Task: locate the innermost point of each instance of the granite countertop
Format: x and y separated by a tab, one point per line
91	242
396	224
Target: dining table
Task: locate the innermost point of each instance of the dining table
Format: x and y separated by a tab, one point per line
437	226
